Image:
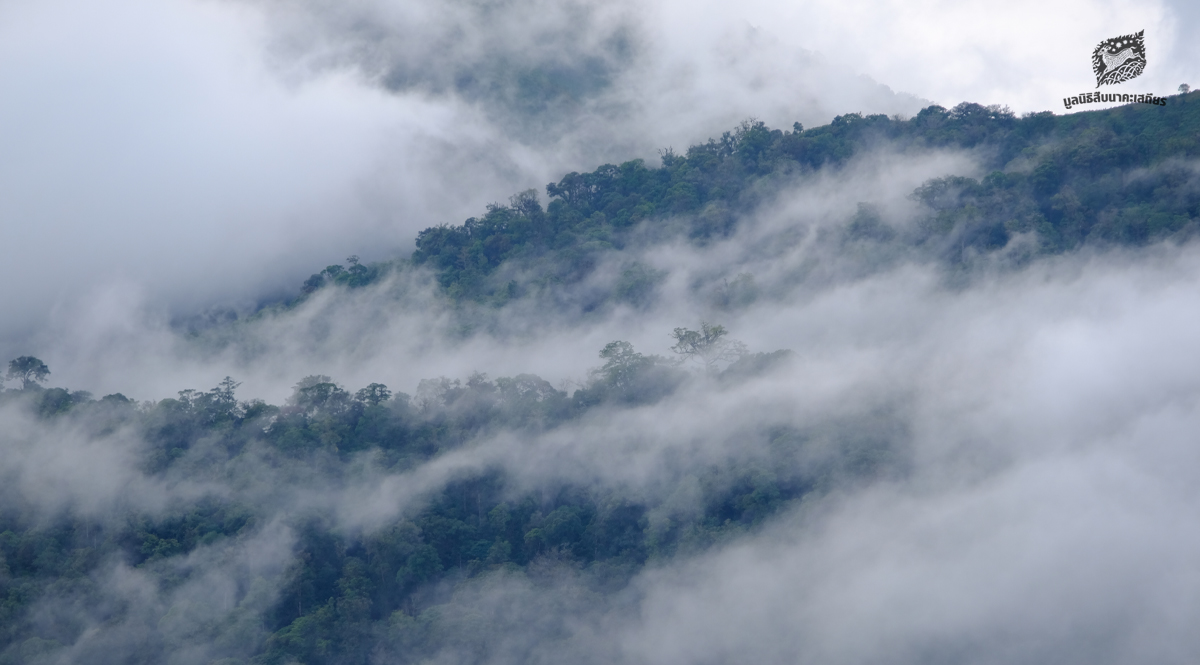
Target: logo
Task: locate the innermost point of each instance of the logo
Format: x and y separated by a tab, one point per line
1115	61
1119	59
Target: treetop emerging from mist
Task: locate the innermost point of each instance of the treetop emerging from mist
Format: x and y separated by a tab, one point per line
28	370
708	346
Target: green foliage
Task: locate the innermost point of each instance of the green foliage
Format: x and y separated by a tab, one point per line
28	370
1107	176
348	594
374	394
628	377
1054	183
354	275
637	284
708	346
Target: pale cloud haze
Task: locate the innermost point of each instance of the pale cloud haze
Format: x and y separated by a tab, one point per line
164	158
215	153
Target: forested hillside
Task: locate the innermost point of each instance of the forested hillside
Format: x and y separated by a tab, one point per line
1106	177
396	585
461	523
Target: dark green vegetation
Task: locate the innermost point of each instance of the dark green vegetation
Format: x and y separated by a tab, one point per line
28	370
351	591
1102	177
242	475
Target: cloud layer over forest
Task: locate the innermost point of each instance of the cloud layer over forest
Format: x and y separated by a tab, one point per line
1026	426
1034	502
212	154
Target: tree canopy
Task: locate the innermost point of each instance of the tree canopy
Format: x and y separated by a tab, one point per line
1104	177
349	594
28	370
708	346
1100	177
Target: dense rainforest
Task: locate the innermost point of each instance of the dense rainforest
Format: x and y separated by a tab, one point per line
1118	176
413	584
349	594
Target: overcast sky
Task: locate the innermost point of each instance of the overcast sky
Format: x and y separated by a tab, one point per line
199	153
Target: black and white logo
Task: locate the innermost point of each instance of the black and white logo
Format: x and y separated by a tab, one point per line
1119	59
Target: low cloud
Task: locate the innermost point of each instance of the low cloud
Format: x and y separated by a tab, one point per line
1028	430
